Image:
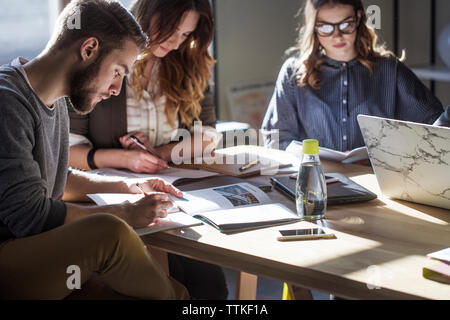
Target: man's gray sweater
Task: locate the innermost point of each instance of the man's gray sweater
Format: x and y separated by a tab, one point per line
34	151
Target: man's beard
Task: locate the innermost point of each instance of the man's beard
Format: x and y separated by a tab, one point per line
83	88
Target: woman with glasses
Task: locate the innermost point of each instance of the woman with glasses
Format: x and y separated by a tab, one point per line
340	71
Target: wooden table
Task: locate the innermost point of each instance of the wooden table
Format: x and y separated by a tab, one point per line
379	252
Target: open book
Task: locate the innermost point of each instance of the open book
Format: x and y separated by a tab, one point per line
228	208
234	207
358	154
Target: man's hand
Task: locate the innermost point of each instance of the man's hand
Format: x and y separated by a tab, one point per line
156	185
144	212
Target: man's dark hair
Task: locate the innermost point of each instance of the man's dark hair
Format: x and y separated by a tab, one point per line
106	20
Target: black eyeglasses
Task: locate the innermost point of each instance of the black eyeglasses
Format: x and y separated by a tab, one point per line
327	29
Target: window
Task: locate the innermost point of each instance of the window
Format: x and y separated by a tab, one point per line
25	26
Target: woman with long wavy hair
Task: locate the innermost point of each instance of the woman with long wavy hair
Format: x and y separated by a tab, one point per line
166	91
338	71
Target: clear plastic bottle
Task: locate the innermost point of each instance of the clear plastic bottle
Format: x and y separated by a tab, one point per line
311	189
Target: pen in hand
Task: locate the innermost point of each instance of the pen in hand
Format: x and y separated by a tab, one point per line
140	188
165	211
142	146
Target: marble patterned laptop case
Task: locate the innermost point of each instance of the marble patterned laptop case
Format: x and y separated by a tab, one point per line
411	160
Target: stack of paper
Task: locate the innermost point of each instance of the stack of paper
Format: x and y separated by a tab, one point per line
440	270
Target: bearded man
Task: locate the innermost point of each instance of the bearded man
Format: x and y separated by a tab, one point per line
42	235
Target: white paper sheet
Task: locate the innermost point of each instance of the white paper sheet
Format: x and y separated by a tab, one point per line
169	175
174	220
358	154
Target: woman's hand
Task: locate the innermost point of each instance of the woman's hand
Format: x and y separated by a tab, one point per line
141	161
127	143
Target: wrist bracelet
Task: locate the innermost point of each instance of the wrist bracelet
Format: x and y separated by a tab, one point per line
90	159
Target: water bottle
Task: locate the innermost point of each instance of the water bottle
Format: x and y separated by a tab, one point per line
311	189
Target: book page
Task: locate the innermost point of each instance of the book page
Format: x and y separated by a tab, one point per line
174	220
104	199
223	197
170	175
443	255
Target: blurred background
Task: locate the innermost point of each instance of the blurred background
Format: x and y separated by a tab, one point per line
250	43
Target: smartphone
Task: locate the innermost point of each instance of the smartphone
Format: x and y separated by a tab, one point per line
305	234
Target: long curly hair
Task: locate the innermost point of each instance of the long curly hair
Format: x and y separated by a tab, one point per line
183	74
310	53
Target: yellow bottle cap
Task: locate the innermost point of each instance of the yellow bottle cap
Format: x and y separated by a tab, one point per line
310	146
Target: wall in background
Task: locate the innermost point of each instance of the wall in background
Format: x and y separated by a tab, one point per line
252	36
442	19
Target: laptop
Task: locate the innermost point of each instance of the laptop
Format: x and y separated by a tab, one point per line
411	161
342	191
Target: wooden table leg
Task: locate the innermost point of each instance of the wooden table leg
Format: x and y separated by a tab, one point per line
246	285
161	257
298	293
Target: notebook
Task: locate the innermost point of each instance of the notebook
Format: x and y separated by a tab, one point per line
411	161
341	192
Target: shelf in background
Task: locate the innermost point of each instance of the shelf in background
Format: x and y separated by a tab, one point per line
436	73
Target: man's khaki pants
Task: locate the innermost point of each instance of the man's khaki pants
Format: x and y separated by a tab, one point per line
101	246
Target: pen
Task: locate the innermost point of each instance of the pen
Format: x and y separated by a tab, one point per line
140	188
249	165
141	145
327	181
